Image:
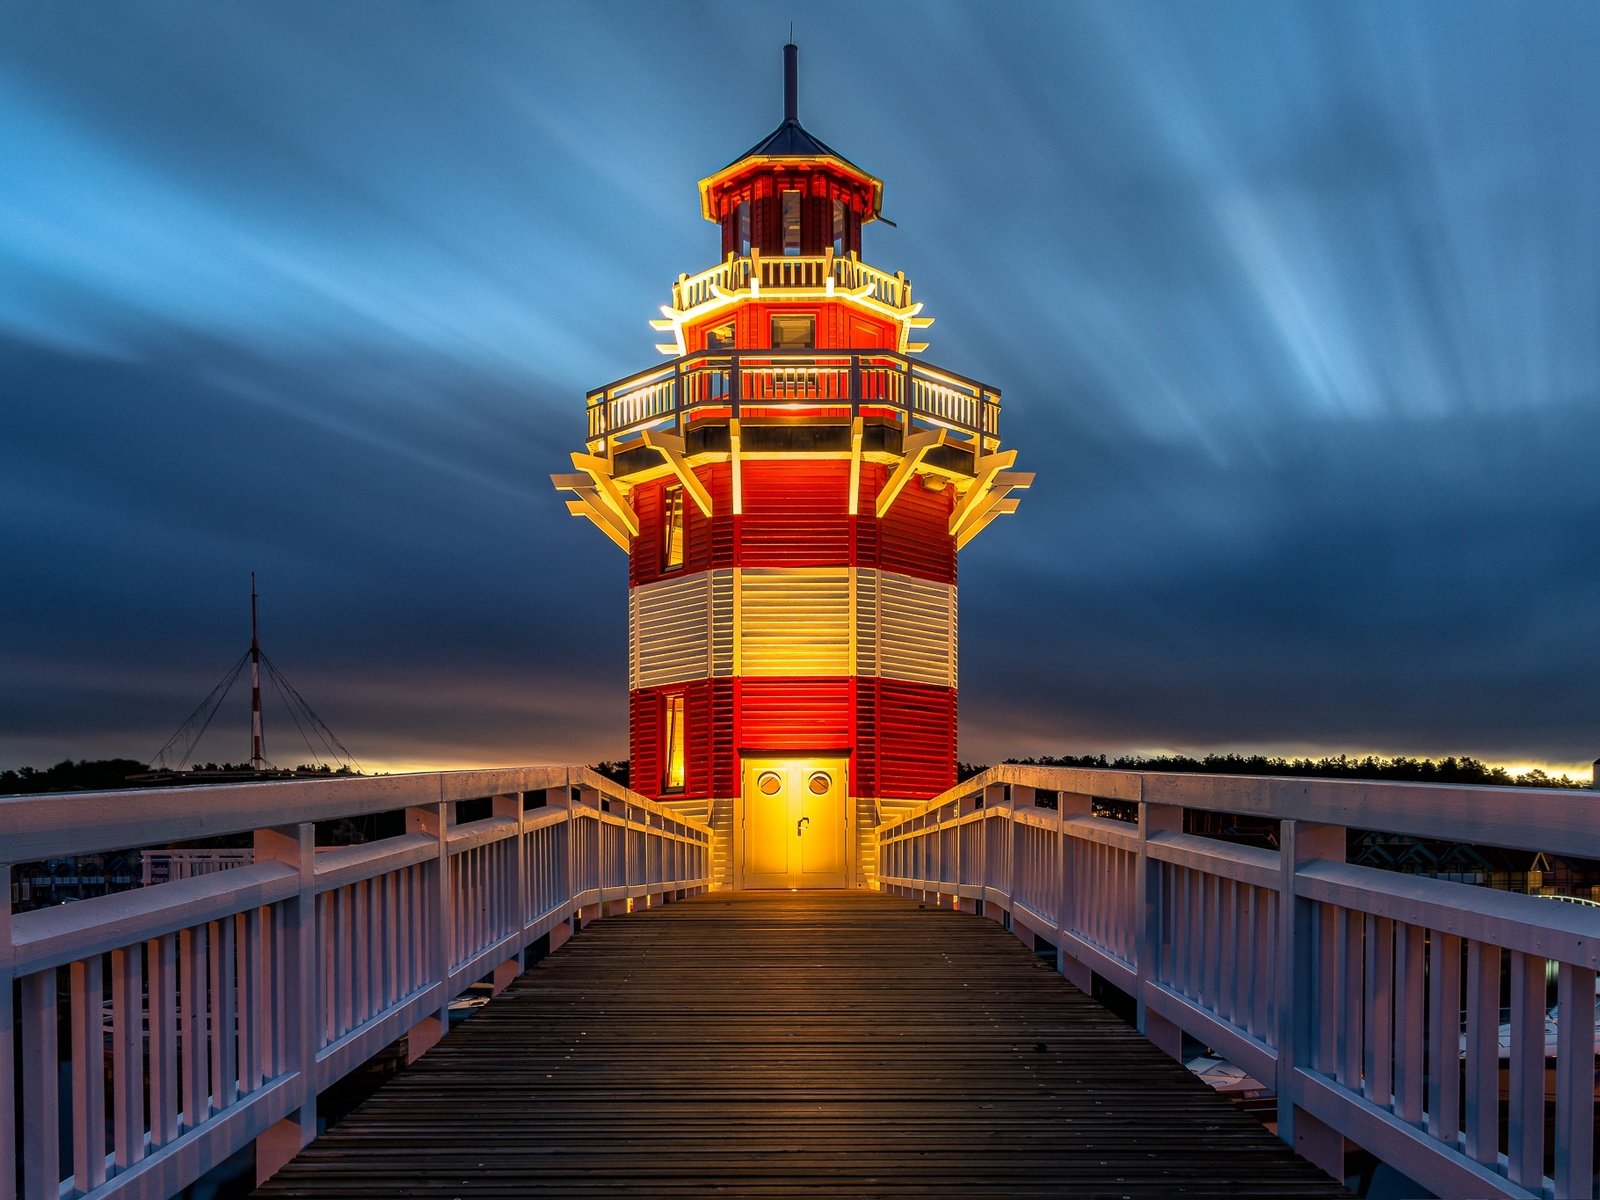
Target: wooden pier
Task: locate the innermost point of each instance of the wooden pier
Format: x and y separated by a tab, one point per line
796	1044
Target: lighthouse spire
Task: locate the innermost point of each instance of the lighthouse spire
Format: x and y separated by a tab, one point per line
791	84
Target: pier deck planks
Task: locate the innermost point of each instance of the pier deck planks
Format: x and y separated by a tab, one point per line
796	1044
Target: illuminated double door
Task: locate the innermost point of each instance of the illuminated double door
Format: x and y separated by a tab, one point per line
795	823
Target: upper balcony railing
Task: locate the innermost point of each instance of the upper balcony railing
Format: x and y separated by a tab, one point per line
1444	1027
792	273
720	384
236	997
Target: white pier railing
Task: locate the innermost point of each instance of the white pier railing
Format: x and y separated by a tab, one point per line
163	1029
1412	1016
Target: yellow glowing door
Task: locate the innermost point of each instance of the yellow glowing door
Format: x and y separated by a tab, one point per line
794	823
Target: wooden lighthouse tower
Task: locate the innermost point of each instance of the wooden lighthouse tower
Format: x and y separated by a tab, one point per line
791	488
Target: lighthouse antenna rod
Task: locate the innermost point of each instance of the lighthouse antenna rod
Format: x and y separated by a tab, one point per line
791	83
257	761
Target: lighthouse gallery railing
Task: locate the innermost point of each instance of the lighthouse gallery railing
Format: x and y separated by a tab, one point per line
235	997
729	383
1370	1000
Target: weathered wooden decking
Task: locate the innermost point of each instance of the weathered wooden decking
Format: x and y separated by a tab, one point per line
796	1044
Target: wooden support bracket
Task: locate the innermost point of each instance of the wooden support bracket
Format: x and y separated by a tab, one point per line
857	427
914	449
588	505
599	470
671	448
734	460
998	507
987	468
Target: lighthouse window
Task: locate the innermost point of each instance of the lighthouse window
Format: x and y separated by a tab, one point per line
791	222
672	744
672	528
794	331
743	219
838	226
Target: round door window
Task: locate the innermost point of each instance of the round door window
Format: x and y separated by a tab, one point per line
770	783
819	783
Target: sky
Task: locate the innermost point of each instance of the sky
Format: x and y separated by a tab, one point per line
1295	308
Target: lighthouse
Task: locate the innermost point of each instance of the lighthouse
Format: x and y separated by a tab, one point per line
792	486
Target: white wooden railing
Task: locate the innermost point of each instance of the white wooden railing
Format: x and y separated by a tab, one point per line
737	274
207	1013
1372	1001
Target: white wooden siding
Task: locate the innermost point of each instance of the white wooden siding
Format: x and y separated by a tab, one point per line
777	621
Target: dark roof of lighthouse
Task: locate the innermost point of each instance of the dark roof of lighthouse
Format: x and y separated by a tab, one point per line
791	139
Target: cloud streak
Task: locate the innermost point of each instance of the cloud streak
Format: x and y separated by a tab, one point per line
1293	309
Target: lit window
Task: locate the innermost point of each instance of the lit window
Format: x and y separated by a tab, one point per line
791	222
672	744
794	331
744	228
838	226
720	338
672	528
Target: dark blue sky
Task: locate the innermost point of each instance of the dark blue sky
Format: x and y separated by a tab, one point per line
1296	310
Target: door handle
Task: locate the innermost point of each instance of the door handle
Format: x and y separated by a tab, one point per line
800	825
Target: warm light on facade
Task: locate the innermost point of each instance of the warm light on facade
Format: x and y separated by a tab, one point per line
792	489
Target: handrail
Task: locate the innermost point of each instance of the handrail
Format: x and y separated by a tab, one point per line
238	995
732	383
1370	1000
736	273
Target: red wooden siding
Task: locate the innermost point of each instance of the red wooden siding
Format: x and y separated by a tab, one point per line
913	538
707	541
839	326
795	514
913	743
819	185
902	735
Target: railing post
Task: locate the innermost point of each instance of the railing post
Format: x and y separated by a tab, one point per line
515	896
1300	843
8	1114
434	819
1153	818
1070	805
296	996
561	932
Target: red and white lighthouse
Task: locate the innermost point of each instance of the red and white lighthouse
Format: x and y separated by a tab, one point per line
791	488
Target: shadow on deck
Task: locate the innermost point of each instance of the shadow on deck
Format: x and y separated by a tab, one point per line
796	1044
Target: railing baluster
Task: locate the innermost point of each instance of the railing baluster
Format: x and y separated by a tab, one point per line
1525	1092
1575	1056
1483	1023
161	954
36	1048
88	1075
1444	1037
1408	1024
127	1055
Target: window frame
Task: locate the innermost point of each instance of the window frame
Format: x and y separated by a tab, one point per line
790	211
772	330
672	527
742	228
674	742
